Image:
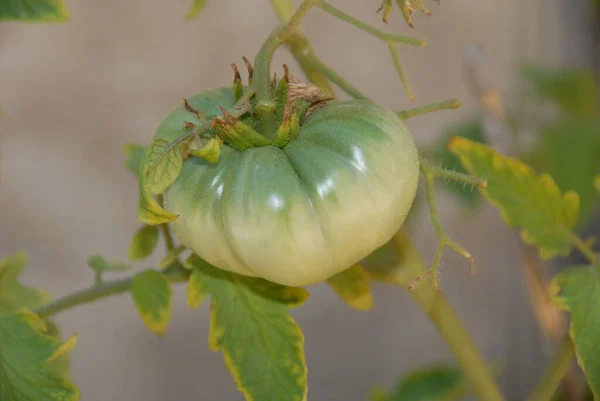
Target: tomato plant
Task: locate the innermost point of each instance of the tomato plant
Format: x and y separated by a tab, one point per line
265	187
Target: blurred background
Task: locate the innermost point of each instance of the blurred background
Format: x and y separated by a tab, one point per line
74	94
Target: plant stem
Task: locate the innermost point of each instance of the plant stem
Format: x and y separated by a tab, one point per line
262	63
452	175
299	46
550	381
449	324
417	111
400	70
337	79
95	292
583	248
388	37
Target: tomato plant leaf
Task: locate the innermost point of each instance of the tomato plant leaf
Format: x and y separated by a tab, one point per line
144	242
577	289
151	292
165	162
389	263
99	264
568	150
250	324
60	363
172	256
574	90
149	211
430	384
135	156
354	287
195	9
533	203
34	11
27	361
473	130
13	295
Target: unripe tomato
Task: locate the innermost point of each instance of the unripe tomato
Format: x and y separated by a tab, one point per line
300	213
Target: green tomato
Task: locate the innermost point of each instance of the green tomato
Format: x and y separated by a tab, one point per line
299	214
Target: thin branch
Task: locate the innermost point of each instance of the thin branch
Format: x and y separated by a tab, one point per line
550	381
388	37
400	70
337	79
417	111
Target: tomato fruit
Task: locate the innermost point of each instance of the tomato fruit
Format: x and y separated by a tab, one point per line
298	213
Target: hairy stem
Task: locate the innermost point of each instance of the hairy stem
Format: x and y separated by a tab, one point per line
299	46
417	111
97	291
550	381
584	248
388	37
448	323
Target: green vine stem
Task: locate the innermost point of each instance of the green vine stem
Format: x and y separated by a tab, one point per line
400	70
337	79
98	291
582	247
550	381
417	111
448	323
301	47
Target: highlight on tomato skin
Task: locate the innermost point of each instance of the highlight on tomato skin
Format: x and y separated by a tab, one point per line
332	182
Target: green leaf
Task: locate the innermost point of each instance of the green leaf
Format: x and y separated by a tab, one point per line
354	287
577	289
196	9
250	324
431	384
165	161
569	150
135	156
533	203
473	130
13	295
143	243
149	211
27	361
60	363
574	90
209	152
151	292
33	11
597	183
99	264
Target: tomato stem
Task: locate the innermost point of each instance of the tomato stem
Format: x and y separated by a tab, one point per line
417	111
337	79
400	70
388	37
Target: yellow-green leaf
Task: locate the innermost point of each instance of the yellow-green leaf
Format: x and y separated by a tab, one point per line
533	203
13	295
135	156
33	11
27	368
151	292
250	324
143	243
149	211
164	165
209	152
577	289
195	9
353	287
389	264
597	183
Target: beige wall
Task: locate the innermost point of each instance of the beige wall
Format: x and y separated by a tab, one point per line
74	94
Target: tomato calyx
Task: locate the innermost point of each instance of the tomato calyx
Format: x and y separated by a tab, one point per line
273	123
